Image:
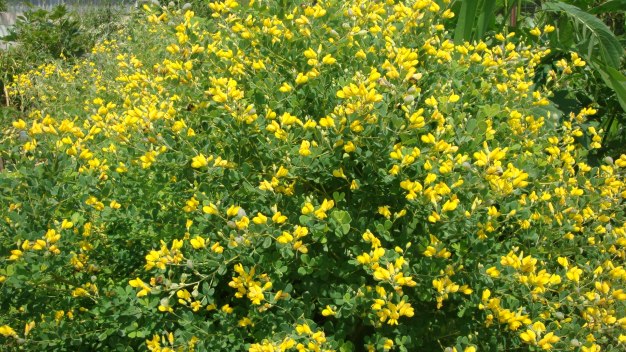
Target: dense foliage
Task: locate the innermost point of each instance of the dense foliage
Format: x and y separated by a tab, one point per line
331	175
42	36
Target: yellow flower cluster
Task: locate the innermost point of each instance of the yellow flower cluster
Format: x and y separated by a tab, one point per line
245	284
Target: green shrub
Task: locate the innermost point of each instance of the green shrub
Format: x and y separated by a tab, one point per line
41	36
327	176
54	33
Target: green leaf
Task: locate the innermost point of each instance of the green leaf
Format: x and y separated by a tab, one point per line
212	263
486	19
614	80
338	197
304	219
267	242
343	219
465	24
609	46
610	6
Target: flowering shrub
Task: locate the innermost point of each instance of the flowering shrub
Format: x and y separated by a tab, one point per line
325	176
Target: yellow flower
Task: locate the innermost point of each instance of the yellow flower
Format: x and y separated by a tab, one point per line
198	242
592	348
450	205
15	254
300	231
79	292
28	327
328	311
434	217
388	344
287	119
259	219
210	209
19	124
7	331
431	101
547	341
217	248
227	309
245	321
301	79
191	205
200	161
232	211
304	148
137	283
66	224
384	211
339	173
285	87
574	274
310	54
279	218
284	238
307	208
328	60
363	258
428	138
529	337
300	247
493	272
302	329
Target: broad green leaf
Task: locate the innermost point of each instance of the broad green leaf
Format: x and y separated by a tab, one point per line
486	18
614	80
609	46
343	219
610	6
465	22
